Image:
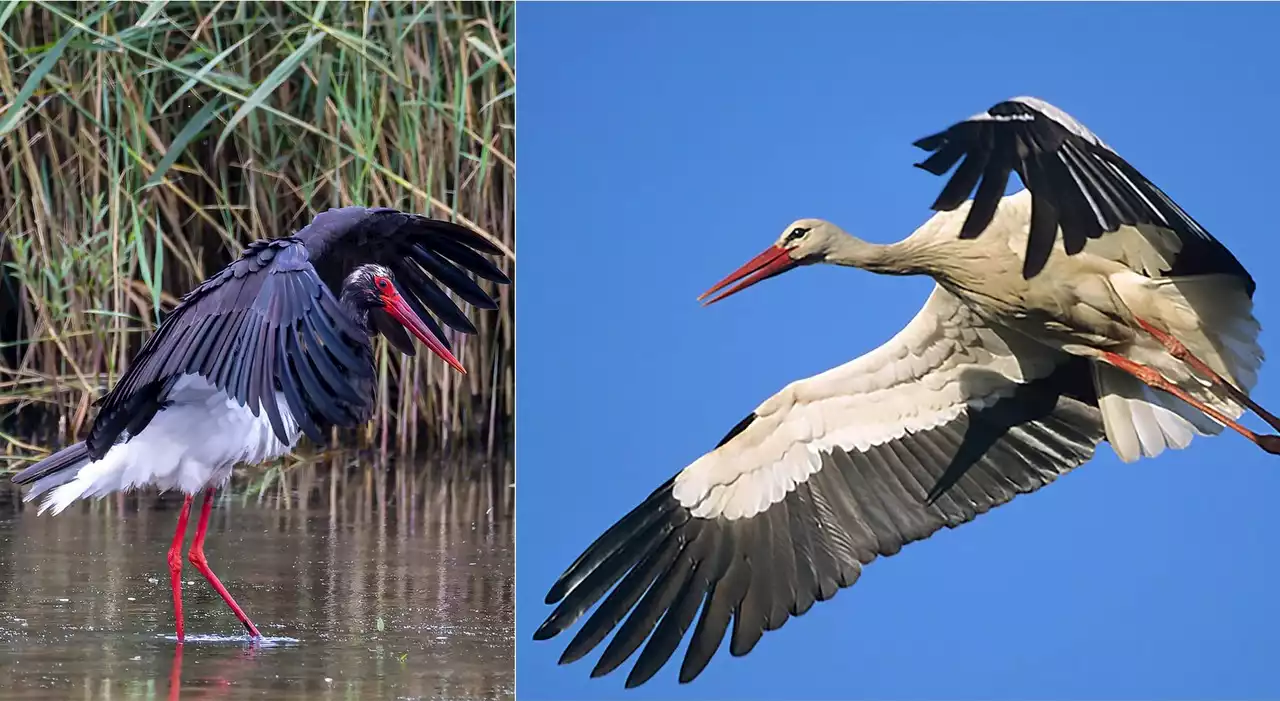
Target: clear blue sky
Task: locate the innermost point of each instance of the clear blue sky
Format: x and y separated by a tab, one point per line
663	145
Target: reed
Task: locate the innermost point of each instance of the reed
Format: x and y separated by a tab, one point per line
142	145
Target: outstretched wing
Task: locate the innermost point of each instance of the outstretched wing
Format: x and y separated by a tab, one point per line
1076	181
265	324
943	422
416	249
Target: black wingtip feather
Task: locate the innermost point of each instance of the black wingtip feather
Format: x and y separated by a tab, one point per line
61	460
420	286
427	319
1094	190
932	142
449	274
737	429
753	573
456	232
465	258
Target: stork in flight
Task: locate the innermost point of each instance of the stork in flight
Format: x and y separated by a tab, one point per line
1138	329
274	346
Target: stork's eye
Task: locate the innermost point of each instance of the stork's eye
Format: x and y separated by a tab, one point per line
797	233
382	283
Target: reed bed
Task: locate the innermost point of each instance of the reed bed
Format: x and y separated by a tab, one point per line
143	144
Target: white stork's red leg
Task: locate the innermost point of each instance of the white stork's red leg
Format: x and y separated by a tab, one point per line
1153	378
198	559
1180	351
175	564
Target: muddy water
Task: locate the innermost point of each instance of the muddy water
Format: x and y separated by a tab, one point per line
395	590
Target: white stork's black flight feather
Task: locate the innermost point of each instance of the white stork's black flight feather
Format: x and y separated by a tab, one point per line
1078	185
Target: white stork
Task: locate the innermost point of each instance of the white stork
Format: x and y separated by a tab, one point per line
1138	329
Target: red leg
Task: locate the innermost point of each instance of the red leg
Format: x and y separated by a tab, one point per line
1179	351
198	559
175	564
1269	443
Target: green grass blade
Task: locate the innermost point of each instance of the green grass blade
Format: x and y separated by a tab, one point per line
154	8
158	266
8	9
17	106
200	75
193	128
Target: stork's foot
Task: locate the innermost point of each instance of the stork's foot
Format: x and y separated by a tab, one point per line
1270	443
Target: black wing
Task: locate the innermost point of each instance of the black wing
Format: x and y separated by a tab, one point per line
264	324
660	564
416	249
1077	183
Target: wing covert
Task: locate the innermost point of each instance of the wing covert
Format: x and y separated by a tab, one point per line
265	324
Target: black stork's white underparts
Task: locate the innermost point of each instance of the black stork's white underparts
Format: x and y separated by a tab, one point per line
1138	330
275	346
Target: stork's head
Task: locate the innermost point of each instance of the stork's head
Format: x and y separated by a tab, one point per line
371	289
804	241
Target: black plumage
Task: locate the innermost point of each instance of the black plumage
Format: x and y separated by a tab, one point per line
671	570
279	319
1076	182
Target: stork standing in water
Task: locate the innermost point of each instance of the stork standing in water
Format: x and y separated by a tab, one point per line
1138	329
275	346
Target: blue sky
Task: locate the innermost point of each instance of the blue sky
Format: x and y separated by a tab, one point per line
661	146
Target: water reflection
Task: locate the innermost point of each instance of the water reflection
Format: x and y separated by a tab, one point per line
394	586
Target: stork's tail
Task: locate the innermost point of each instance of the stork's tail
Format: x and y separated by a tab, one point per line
55	470
1141	421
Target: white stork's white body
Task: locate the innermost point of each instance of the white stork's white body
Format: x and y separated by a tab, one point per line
1138	329
983	332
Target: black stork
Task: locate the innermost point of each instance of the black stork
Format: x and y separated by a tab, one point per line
276	345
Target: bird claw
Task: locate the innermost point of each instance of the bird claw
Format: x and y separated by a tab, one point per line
1270	443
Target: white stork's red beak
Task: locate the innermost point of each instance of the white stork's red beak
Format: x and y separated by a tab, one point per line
774	261
399	310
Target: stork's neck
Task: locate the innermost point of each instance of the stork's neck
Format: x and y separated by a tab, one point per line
901	258
358	313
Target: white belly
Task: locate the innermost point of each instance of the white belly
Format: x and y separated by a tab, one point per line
190	445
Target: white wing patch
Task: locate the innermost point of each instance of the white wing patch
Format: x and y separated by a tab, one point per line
944	361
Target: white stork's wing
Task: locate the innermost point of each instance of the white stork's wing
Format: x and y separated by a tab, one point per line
1076	181
823	477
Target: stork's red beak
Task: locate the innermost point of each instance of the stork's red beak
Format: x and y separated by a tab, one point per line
399	310
774	261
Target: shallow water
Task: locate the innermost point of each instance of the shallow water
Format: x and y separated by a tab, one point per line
356	601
